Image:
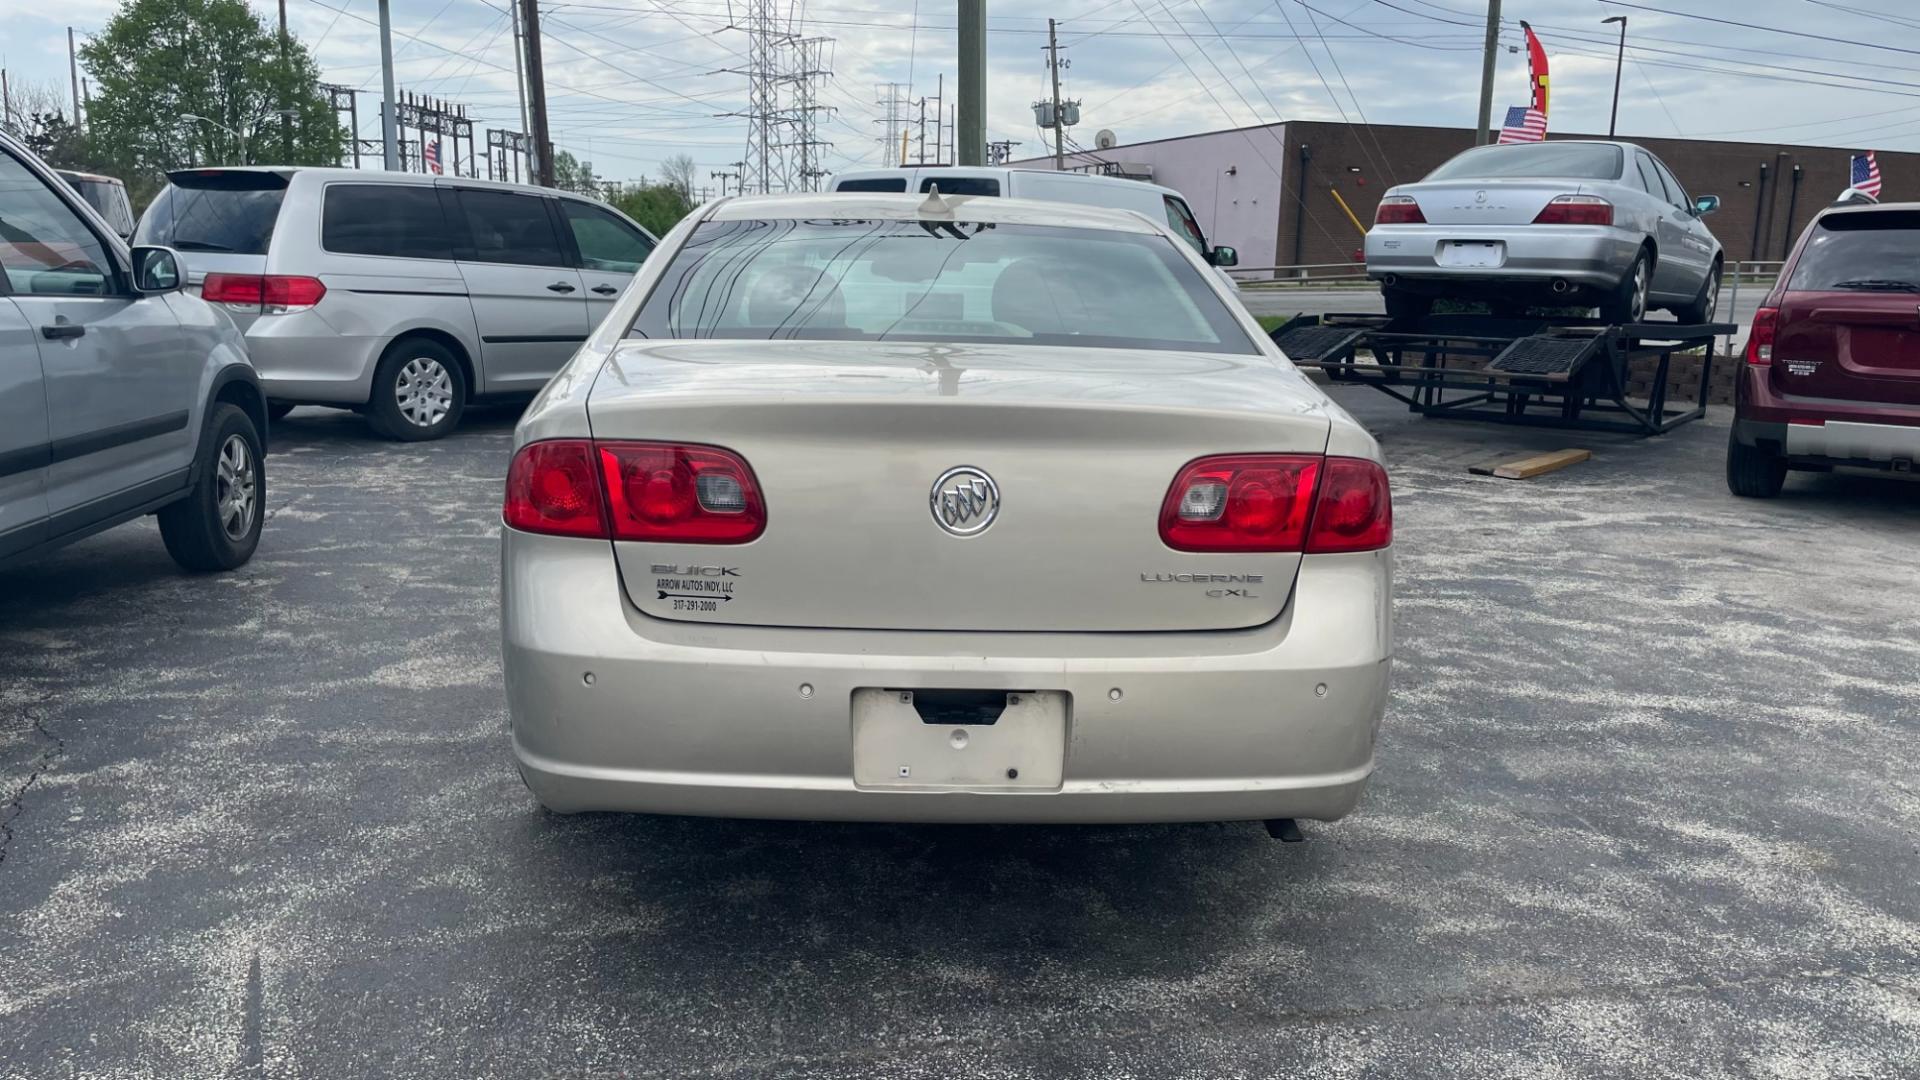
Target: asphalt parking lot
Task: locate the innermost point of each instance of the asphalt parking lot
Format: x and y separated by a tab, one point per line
1648	806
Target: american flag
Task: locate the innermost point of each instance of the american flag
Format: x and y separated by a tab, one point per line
431	155
1866	174
1524	124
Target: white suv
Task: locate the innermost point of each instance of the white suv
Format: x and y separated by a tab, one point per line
402	295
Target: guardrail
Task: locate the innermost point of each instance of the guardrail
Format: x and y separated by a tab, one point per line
1757	273
1302	274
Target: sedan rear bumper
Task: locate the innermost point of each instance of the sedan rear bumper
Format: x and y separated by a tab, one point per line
1275	721
1591	257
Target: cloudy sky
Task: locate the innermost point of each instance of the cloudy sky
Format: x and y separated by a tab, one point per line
633	81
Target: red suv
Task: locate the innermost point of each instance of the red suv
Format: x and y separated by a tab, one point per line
1833	358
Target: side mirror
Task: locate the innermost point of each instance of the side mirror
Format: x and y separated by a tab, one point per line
156	270
1224	256
1706	204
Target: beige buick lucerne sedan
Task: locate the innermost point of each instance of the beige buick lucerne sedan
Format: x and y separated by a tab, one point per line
905	508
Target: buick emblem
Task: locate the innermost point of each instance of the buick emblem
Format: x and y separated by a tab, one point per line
965	501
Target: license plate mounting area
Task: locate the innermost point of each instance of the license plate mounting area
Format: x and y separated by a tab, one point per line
966	740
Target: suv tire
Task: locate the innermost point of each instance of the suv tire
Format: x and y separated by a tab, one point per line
1701	310
1627	302
419	391
1753	472
217	526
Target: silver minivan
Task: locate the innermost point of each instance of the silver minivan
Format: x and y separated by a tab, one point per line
404	296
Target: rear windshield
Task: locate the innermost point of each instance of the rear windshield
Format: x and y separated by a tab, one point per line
889	183
962	185
853	280
1868	250
215	211
1558	161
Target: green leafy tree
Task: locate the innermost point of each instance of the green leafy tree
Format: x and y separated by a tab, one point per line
157	61
572	174
656	206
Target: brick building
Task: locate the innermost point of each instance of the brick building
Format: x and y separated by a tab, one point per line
1246	184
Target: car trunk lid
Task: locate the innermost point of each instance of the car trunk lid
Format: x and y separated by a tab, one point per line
1486	202
847	441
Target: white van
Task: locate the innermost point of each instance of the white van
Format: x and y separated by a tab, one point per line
1072	187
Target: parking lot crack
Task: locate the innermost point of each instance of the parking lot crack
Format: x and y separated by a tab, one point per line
15	804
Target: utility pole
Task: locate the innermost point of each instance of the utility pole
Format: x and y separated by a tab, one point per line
1484	133
973	83
920	138
1059	122
73	70
389	114
1619	61
537	96
6	100
519	83
286	122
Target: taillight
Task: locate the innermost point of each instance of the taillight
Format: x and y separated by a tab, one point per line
664	492
1354	509
674	493
1244	502
1576	210
1278	502
1760	334
270	294
1398	210
553	487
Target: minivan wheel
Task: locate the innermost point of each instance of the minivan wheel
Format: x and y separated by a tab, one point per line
217	526
1627	303
419	391
1754	472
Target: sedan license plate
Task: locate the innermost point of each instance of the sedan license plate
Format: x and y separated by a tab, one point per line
1473	254
1024	749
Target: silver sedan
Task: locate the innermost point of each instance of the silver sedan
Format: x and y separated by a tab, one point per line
906	508
1563	223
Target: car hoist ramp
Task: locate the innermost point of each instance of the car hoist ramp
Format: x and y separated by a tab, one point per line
1317	343
1552	356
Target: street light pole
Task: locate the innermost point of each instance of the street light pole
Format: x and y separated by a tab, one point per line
1618	61
241	135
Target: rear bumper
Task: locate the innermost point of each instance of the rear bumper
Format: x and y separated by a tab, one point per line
1275	721
302	359
1823	431
1591	257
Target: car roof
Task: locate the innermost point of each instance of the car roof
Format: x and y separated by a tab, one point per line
933	172
1868	208
374	176
887	207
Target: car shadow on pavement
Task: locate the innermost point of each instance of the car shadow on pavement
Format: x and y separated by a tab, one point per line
311	427
974	902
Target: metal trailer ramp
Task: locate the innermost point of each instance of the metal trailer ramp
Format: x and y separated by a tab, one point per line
1565	373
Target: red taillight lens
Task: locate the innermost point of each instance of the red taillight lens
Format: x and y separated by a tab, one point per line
680	494
1760	335
1398	210
1244	502
1278	502
665	492
269	293
1576	210
552	488
1354	509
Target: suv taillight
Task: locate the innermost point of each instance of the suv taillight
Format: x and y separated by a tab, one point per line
1576	210
269	294
1398	210
1760	334
663	492
1278	502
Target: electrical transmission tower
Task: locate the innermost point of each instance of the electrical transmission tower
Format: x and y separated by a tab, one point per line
893	98
784	69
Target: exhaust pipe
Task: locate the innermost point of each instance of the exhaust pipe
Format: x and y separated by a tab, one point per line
1389	280
1284	830
1560	285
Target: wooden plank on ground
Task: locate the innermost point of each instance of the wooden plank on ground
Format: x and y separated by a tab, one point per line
1529	467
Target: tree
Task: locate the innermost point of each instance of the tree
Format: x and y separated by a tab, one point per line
656	206
678	172
572	174
156	61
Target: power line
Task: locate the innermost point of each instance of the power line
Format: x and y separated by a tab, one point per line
1768	29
